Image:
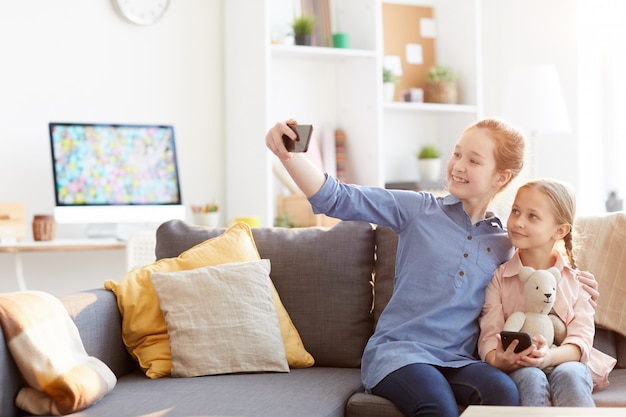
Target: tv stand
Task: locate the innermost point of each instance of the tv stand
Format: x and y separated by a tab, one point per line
101	230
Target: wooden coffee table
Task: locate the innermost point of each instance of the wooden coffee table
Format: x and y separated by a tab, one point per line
493	411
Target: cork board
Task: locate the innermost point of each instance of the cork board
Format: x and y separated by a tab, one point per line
401	26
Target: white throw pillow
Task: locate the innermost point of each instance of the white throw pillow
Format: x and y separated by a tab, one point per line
221	319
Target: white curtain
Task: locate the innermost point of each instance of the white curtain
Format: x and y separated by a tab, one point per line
602	98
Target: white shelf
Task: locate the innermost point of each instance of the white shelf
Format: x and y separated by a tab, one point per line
430	107
319	52
335	88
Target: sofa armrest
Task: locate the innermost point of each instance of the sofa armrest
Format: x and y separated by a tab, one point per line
10	381
99	323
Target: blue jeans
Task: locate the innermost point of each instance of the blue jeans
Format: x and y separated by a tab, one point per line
426	390
568	385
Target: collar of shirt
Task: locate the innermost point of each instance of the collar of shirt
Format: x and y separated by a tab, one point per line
490	217
513	265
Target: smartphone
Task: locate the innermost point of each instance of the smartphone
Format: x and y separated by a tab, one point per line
523	337
301	144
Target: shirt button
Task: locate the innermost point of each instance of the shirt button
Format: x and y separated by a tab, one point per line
465	255
469	237
488	249
461	273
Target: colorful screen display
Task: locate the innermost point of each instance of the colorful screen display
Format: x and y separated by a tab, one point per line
100	164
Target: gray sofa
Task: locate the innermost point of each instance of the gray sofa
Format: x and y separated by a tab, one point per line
334	282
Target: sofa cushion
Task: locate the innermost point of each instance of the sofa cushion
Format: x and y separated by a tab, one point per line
221	319
603	253
320	392
143	327
323	276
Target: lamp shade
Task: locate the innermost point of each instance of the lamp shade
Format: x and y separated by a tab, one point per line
534	101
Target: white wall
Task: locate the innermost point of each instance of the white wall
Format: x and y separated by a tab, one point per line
576	37
519	33
76	60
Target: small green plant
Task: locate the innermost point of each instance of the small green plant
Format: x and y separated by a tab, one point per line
303	25
440	73
428	152
388	76
284	220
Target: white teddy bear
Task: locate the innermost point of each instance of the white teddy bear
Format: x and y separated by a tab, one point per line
539	296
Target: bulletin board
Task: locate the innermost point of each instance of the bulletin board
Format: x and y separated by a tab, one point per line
401	27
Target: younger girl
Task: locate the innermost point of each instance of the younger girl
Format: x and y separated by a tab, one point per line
542	215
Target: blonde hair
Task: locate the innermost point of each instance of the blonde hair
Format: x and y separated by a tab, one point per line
562	200
509	149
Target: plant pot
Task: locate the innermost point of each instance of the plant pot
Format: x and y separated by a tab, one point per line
303	40
429	169
389	90
441	92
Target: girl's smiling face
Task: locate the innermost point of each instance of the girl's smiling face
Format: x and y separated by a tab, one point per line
472	171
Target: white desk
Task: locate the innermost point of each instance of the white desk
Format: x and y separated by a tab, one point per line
53	246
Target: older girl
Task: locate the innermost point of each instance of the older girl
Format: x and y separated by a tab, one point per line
421	355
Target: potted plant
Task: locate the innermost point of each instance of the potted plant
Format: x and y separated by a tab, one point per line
302	29
429	163
389	84
441	85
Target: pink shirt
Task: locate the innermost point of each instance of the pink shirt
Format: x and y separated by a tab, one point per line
505	295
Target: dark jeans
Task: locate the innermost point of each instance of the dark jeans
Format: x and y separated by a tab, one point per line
426	390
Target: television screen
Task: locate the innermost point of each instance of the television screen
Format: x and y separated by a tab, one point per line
106	164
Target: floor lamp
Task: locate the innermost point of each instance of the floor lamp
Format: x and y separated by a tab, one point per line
533	101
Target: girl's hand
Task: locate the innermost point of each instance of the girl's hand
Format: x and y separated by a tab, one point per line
540	357
590	285
507	360
274	138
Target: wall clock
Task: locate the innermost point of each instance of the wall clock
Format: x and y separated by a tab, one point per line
142	12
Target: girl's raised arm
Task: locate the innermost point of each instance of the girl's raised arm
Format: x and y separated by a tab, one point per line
306	175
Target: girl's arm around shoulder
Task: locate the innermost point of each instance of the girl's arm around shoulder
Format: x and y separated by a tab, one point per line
590	285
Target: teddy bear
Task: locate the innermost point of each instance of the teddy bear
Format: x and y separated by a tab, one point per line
539	296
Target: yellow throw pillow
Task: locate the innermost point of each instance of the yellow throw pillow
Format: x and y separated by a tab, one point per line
143	326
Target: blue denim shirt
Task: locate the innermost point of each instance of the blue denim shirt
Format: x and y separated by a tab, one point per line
443	265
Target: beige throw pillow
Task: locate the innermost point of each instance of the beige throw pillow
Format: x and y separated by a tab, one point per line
221	319
603	253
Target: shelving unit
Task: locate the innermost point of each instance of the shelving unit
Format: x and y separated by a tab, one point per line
334	88
408	126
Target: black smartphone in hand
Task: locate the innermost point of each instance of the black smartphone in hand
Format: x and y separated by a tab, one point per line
301	144
523	337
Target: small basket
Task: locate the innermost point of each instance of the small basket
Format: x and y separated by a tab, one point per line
441	92
43	227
